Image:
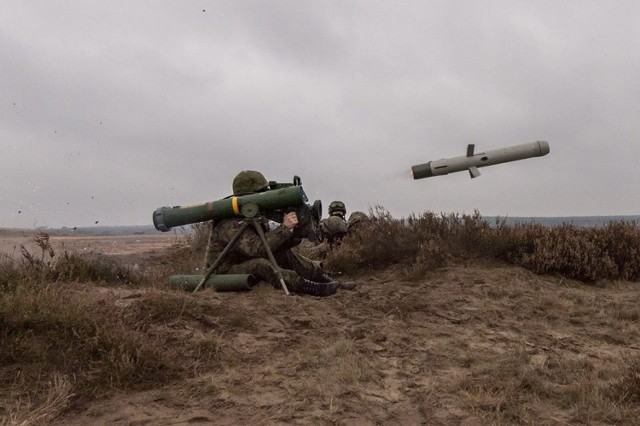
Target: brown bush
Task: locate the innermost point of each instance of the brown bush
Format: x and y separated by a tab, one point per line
428	241
589	254
423	242
47	329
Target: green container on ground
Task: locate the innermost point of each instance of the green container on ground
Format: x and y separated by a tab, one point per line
237	282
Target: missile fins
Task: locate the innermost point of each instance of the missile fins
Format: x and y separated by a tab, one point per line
474	172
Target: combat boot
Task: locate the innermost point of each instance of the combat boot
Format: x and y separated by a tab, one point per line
315	288
347	285
324	278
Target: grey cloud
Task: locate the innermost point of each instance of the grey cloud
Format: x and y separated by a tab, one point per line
159	103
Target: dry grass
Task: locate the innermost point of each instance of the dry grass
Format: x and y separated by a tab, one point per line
475	341
49	266
426	242
49	330
56	400
60	345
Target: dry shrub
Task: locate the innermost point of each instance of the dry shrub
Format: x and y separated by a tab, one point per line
428	241
48	266
10	275
589	254
73	267
422	242
431	255
45	331
460	236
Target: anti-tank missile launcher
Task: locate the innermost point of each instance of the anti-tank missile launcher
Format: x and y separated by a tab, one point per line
273	204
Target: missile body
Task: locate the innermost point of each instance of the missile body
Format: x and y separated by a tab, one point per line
472	162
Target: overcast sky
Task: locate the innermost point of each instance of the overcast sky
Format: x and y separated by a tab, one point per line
110	109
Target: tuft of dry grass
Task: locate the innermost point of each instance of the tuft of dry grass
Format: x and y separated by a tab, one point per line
627	389
46	409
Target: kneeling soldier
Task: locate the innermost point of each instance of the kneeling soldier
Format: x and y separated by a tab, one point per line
248	254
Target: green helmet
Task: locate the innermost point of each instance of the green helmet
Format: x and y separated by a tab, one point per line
334	225
337	207
249	181
357	217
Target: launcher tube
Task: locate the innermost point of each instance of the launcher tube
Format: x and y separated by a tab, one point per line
165	218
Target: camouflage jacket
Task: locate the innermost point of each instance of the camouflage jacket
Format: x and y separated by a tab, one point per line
249	245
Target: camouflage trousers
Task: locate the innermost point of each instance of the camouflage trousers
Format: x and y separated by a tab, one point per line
293	267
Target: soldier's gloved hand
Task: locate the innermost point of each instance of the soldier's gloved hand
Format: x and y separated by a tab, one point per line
290	220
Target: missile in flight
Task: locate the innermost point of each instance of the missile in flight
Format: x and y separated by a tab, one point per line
473	161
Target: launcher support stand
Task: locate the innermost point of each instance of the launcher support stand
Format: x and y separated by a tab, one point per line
250	212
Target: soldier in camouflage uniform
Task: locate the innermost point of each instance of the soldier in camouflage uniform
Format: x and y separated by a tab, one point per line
356	219
248	255
334	228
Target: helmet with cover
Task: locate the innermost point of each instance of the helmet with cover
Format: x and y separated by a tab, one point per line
357	217
337	208
356	220
249	181
334	225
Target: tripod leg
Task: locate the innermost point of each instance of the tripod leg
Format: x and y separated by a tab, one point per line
274	264
215	265
210	244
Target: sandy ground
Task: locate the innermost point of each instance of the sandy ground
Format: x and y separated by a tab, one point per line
469	344
10	243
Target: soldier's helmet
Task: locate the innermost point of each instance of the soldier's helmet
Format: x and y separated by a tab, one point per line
249	181
334	225
356	217
337	208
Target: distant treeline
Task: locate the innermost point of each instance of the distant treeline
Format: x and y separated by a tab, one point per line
582	221
94	230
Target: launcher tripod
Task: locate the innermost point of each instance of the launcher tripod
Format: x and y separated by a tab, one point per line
251	214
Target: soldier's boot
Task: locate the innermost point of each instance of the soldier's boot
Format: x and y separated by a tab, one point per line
315	288
324	278
347	285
